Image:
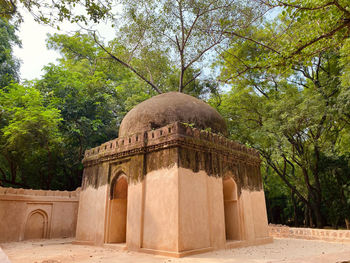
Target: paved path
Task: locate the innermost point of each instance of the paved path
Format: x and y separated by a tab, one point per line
282	250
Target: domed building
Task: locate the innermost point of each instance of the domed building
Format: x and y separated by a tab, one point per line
172	183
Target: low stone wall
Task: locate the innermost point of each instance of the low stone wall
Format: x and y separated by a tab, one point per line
280	231
32	214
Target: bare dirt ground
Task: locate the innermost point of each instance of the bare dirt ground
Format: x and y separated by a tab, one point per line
282	250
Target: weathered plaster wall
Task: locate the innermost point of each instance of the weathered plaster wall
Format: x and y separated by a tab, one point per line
259	214
26	214
92	206
246	176
252	205
175	202
216	212
194	226
134	215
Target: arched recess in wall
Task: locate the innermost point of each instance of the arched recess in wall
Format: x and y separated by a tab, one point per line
231	207
36	225
117	209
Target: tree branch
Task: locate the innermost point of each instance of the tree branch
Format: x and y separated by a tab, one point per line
10	11
329	34
252	40
192	79
304	8
126	65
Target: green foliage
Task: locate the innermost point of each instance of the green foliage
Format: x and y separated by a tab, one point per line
93	93
9	65
184	32
52	12
290	100
345	63
336	188
31	124
301	31
293	108
28	133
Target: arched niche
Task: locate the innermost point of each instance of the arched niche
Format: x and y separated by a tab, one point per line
36	225
117	209
119	187
231	209
230	189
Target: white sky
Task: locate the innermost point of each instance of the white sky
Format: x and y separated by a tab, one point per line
34	54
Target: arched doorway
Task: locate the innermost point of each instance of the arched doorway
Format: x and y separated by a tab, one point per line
36	225
117	210
232	221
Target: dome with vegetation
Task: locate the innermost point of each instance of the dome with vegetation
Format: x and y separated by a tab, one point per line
168	108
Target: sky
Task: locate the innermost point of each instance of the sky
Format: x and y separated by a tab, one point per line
34	54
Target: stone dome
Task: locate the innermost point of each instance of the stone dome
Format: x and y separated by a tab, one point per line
168	108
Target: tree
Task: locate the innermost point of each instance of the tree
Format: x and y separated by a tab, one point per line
322	25
28	134
183	31
52	12
9	66
295	114
160	69
294	69
302	30
92	93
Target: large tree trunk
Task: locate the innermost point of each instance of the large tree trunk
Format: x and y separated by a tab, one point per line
315	200
50	169
306	217
295	216
318	215
347	222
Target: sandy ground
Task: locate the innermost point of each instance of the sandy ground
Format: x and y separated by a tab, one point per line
282	250
3	257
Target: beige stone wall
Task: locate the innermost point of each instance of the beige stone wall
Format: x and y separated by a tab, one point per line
216	212
247	219
309	233
194	226
176	210
188	208
28	214
161	206
172	211
259	214
134	215
91	215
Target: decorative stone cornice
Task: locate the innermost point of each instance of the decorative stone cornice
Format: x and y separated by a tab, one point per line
172	135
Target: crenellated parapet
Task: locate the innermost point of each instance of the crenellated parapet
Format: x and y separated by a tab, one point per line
9	191
175	134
